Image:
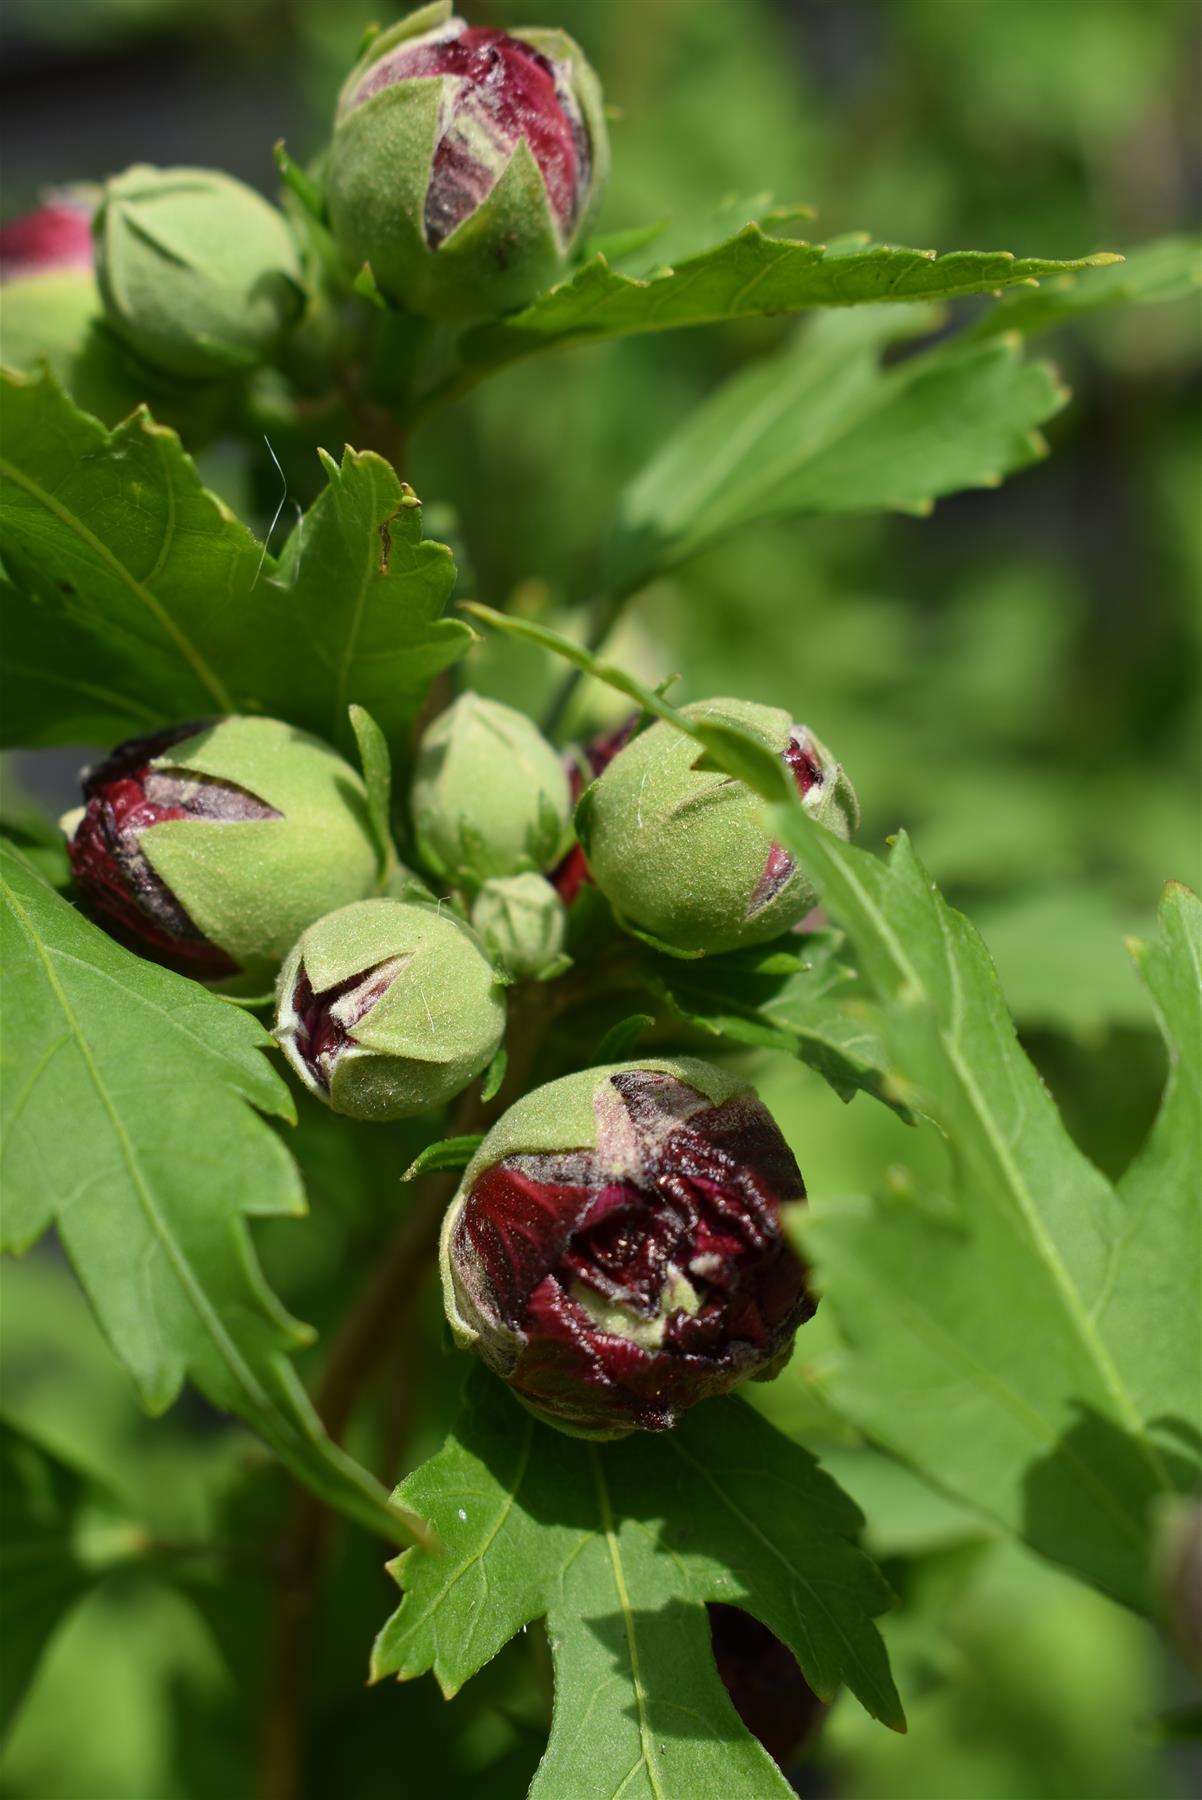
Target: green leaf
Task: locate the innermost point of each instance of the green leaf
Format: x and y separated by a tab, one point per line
618	1044
1000	1346
448	1153
747	274
43	1562
1168	269
799	997
619	1547
361	592
141	600
376	764
821	427
141	576
111	1065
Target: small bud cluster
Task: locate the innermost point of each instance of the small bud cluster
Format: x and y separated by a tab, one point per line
617	1249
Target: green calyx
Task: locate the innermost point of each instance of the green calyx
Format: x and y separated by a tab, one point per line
682	852
383	160
521	920
198	273
253	885
490	796
387	1008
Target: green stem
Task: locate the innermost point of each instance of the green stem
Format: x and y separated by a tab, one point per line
606	615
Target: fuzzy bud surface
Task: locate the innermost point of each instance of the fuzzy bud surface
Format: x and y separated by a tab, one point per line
521	921
198	273
388	1008
681	852
489	796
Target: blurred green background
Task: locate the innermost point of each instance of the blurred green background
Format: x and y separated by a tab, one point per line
1015	680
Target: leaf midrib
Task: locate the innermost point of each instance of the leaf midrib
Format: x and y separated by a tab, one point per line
193	1291
640	1693
1011	1176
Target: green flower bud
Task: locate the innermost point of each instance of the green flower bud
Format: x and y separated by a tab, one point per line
388	1008
521	920
211	847
682	852
466	163
490	795
198	273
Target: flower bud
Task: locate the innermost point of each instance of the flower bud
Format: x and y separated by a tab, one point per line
466	162
489	797
681	851
198	273
615	1252
388	1008
50	299
520	920
210	847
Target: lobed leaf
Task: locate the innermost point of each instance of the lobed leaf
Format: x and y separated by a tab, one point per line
822	427
619	1547
1003	1348
140	600
112	1067
751	272
359	595
1169	268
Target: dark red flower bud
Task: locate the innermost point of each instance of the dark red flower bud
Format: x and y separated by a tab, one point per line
616	1251
504	91
465	162
210	847
56	236
769	1691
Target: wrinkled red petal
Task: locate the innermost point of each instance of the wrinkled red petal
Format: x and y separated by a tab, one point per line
698	1197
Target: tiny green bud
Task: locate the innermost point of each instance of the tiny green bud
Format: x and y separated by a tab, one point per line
198	273
210	847
466	162
490	795
682	852
388	1008
521	920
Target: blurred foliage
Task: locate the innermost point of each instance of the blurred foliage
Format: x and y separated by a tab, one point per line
1013	679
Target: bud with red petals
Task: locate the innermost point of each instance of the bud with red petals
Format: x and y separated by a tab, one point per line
466	162
616	1252
210	847
681	850
388	1008
50	302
